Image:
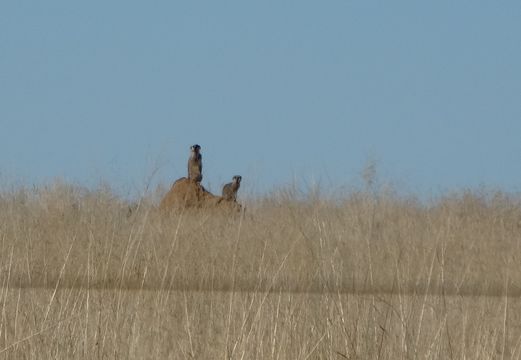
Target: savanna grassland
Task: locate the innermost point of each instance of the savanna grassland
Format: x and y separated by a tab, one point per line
368	275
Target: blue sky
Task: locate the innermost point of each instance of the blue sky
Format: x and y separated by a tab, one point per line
271	90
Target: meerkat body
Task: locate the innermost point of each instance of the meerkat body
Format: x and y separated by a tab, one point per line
195	164
230	189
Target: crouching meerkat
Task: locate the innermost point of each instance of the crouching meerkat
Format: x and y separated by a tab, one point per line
230	189
195	164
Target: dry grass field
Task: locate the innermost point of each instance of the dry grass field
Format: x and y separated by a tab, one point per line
364	276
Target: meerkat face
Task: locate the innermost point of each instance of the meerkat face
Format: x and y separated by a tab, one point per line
237	179
195	148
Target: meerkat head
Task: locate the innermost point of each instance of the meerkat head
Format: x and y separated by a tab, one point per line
237	179
195	148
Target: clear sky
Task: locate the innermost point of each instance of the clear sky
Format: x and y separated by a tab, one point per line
272	90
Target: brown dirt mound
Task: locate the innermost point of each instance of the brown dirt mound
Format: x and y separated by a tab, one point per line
186	193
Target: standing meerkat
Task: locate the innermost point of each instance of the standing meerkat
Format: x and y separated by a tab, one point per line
230	189
195	164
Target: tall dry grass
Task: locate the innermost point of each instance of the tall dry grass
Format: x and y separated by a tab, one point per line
369	275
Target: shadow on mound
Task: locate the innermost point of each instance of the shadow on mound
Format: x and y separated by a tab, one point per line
188	194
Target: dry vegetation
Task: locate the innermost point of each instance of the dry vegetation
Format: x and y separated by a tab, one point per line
368	276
